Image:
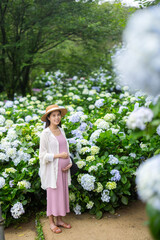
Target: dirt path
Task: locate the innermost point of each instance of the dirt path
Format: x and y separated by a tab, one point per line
126	224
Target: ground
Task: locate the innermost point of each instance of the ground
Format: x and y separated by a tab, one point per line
127	224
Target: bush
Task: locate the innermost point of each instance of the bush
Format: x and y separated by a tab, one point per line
100	142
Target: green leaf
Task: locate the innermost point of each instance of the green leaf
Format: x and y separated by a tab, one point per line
99	214
112	211
124	200
157	152
113	197
123	179
24	202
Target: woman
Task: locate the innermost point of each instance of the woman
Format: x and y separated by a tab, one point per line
55	165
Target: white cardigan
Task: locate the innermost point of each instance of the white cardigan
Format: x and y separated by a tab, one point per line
49	146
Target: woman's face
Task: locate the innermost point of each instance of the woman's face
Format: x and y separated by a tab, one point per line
55	118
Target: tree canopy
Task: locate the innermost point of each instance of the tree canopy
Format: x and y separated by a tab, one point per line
54	33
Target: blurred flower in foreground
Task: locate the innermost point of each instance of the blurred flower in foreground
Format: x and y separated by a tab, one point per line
148	181
138	63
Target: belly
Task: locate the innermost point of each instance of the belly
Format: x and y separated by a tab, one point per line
63	162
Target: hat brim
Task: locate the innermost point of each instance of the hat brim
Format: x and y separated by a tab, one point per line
62	110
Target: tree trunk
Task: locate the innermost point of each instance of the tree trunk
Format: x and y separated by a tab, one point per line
25	84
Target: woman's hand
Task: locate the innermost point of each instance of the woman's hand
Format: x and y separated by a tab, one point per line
66	168
64	155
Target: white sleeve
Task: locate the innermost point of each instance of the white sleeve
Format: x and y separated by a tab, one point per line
44	156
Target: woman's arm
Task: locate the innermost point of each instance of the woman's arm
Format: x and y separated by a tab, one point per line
44	156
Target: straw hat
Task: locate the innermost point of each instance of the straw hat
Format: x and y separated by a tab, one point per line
52	108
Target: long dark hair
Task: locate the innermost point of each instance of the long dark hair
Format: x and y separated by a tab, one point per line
48	122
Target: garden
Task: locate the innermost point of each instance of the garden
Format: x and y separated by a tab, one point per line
112	126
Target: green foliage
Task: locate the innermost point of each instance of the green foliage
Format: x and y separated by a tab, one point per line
40	235
154	221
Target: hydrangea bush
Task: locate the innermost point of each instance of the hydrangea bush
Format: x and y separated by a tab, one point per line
96	127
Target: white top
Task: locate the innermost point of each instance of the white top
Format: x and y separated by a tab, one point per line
49	146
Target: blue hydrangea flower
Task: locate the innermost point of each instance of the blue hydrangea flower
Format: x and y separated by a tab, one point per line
96	88
72	140
99	103
77	134
83	126
77	209
105	196
113	160
116	175
87	182
76	117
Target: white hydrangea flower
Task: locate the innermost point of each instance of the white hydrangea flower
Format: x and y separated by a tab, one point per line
3	157
138	118
32	161
85	91
2	120
83	117
92	92
114	130
132	155
11	152
2	111
91	107
84	142
49	98
11	135
90	158
89	99
109	117
72	197
92	168
2	182
95	150
99	164
158	130
95	135
113	160
148	181
28	118
80	109
121	109
10	170
9	123
80	164
17	210
142	145
24	184
102	124
90	204
85	150
99	187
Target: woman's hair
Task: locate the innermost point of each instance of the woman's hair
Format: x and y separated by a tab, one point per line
48	122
